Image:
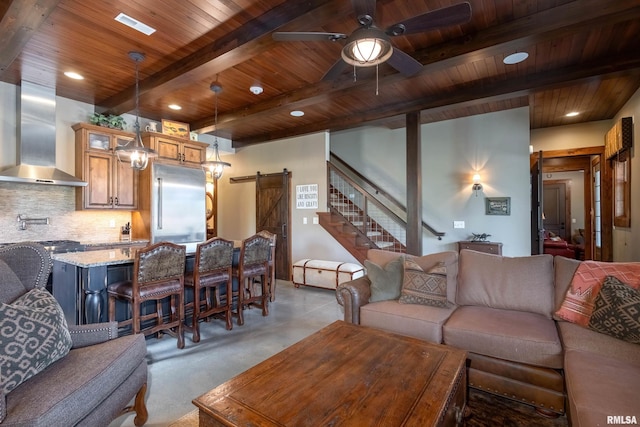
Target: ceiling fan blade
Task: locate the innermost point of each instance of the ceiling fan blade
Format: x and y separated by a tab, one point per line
335	70
307	36
363	8
404	63
451	15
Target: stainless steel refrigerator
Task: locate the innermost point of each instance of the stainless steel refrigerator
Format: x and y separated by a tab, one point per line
172	205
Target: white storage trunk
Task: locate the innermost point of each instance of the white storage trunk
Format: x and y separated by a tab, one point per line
324	274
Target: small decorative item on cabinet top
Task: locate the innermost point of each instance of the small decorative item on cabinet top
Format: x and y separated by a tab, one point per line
497	205
178	129
480	237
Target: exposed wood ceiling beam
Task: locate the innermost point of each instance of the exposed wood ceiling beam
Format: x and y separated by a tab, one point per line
480	92
547	25
20	21
237	46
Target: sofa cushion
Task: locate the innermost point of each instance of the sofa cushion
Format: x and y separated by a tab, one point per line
76	384
564	269
578	302
448	258
386	280
418	321
576	337
424	287
522	283
33	335
617	311
10	285
519	336
599	387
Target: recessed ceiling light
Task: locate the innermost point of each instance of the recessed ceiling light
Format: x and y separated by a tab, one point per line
297	113
572	114
515	58
135	24
256	89
175	107
73	75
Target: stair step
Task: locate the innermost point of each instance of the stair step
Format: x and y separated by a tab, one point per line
384	244
373	233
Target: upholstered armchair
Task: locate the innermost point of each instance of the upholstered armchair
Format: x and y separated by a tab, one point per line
54	374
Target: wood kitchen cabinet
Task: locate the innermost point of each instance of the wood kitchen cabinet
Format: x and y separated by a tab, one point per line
174	150
112	184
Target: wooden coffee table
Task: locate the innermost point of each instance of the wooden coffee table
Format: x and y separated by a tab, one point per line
345	375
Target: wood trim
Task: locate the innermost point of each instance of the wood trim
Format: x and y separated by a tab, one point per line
414	185
252	178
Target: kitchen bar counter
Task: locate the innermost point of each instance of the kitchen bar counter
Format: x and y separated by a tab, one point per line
96	258
80	280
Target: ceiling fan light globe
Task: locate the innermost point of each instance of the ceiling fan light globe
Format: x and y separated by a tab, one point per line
366	50
367	47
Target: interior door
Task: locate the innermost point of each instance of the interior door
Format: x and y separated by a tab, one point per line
537	226
556	205
273	213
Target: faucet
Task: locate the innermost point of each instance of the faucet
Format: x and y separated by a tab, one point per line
23	220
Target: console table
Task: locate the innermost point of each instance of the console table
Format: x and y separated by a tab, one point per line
487	247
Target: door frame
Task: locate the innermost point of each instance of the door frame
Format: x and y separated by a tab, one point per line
580	159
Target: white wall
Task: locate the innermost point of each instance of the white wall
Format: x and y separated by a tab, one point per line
495	145
571	136
305	157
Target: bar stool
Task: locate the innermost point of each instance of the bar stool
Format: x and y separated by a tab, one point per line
253	263
212	273
158	273
272	257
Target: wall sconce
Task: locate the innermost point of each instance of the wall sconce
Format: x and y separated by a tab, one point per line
476	184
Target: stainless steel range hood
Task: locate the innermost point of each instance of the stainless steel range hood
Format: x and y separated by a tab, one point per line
36	139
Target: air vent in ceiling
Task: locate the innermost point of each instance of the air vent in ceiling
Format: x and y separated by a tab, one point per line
135	24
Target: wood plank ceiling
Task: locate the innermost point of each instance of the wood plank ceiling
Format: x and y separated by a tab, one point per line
583	56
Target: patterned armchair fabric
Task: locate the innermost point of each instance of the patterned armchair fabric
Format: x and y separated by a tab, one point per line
114	371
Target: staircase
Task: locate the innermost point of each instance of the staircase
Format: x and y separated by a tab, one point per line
362	216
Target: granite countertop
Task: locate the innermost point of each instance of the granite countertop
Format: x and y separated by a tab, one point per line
101	257
97	258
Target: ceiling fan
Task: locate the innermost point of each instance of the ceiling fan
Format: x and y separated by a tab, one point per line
368	45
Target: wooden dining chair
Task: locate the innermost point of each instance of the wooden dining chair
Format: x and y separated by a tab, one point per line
211	282
272	259
253	264
158	274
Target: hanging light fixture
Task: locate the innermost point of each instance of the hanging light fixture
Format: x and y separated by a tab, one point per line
134	151
214	165
367	47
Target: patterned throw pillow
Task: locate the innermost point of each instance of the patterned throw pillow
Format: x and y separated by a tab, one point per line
385	281
33	335
424	287
617	311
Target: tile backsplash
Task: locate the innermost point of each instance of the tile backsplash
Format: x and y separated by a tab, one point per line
58	203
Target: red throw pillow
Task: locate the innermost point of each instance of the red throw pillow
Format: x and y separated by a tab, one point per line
578	304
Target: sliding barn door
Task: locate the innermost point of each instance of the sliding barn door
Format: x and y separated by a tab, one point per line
273	213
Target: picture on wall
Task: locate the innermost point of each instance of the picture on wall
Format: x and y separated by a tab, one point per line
497	205
179	129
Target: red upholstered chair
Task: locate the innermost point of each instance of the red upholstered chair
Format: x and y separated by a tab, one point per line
158	273
253	264
212	274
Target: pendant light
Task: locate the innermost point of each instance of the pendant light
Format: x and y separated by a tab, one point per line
214	165
134	151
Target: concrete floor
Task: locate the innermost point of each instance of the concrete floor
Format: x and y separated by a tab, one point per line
178	376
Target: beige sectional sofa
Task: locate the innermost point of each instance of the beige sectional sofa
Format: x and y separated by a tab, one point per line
501	310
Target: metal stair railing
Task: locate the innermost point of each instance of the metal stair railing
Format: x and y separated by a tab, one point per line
375	224
384	209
